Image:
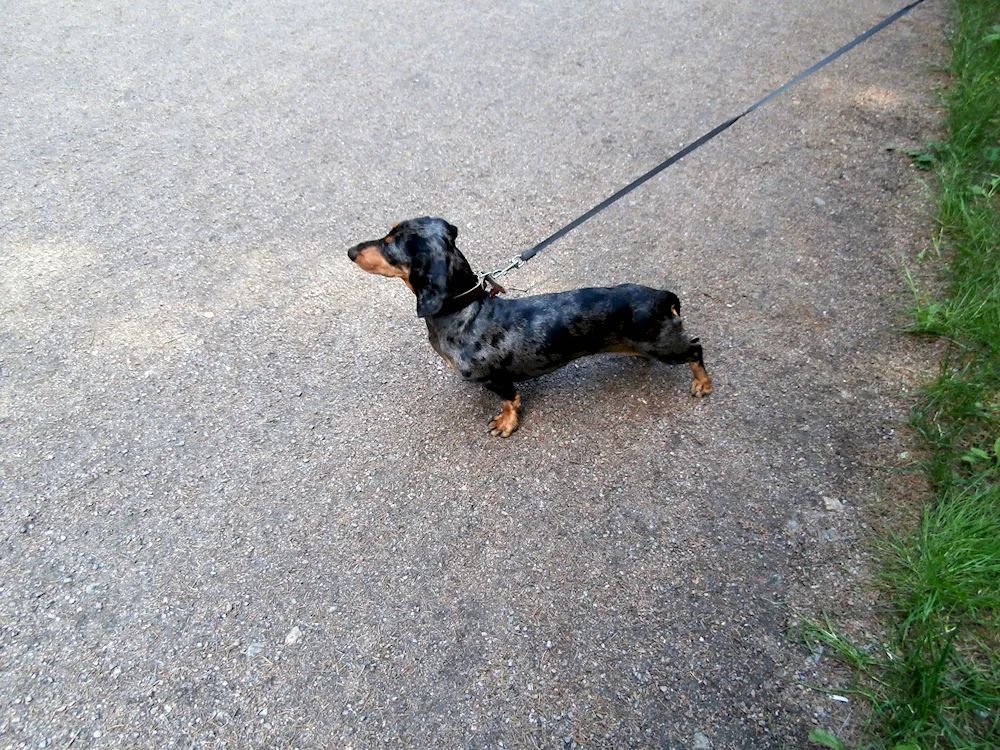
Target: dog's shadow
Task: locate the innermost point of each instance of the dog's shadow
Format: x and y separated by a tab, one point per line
593	388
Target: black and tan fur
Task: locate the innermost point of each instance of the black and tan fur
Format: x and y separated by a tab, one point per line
498	342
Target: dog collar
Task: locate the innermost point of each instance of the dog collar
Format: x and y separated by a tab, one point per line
460	301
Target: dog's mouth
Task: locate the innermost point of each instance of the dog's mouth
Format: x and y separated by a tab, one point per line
369	259
354	252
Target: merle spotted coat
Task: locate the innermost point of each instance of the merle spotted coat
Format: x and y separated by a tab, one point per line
498	341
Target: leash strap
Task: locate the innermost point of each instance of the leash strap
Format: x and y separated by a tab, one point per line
529	254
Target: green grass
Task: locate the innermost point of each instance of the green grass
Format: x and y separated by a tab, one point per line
935	681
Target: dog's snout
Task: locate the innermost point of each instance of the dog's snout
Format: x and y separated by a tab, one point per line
353	252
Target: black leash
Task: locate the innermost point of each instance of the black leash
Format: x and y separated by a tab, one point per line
529	254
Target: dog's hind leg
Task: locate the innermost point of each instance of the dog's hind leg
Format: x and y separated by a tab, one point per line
702	384
504	423
674	347
692	355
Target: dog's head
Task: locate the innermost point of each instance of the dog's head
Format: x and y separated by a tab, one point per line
422	253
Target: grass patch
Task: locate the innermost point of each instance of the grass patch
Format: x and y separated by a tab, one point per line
935	681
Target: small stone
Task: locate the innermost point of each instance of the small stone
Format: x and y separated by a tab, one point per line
815	656
254	649
819	202
294	636
827	535
832	503
701	742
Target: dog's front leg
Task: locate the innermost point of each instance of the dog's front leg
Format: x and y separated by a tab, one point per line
504	423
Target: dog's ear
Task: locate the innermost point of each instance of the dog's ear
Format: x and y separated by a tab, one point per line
429	275
452	232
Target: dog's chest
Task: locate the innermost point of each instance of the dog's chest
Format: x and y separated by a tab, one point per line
437	343
464	347
449	348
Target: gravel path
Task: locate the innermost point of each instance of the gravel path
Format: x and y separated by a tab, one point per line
243	504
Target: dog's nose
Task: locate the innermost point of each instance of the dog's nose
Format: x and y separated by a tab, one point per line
353	252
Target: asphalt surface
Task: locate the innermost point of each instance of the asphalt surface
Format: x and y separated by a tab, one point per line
243	502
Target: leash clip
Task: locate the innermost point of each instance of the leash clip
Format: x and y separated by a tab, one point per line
495	287
492	276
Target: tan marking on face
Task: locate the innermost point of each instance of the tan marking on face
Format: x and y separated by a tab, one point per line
371	260
505	422
701	385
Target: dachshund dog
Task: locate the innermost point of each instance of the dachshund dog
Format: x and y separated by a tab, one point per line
498	342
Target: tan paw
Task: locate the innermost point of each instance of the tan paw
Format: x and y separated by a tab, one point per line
701	388
701	385
504	423
502	427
